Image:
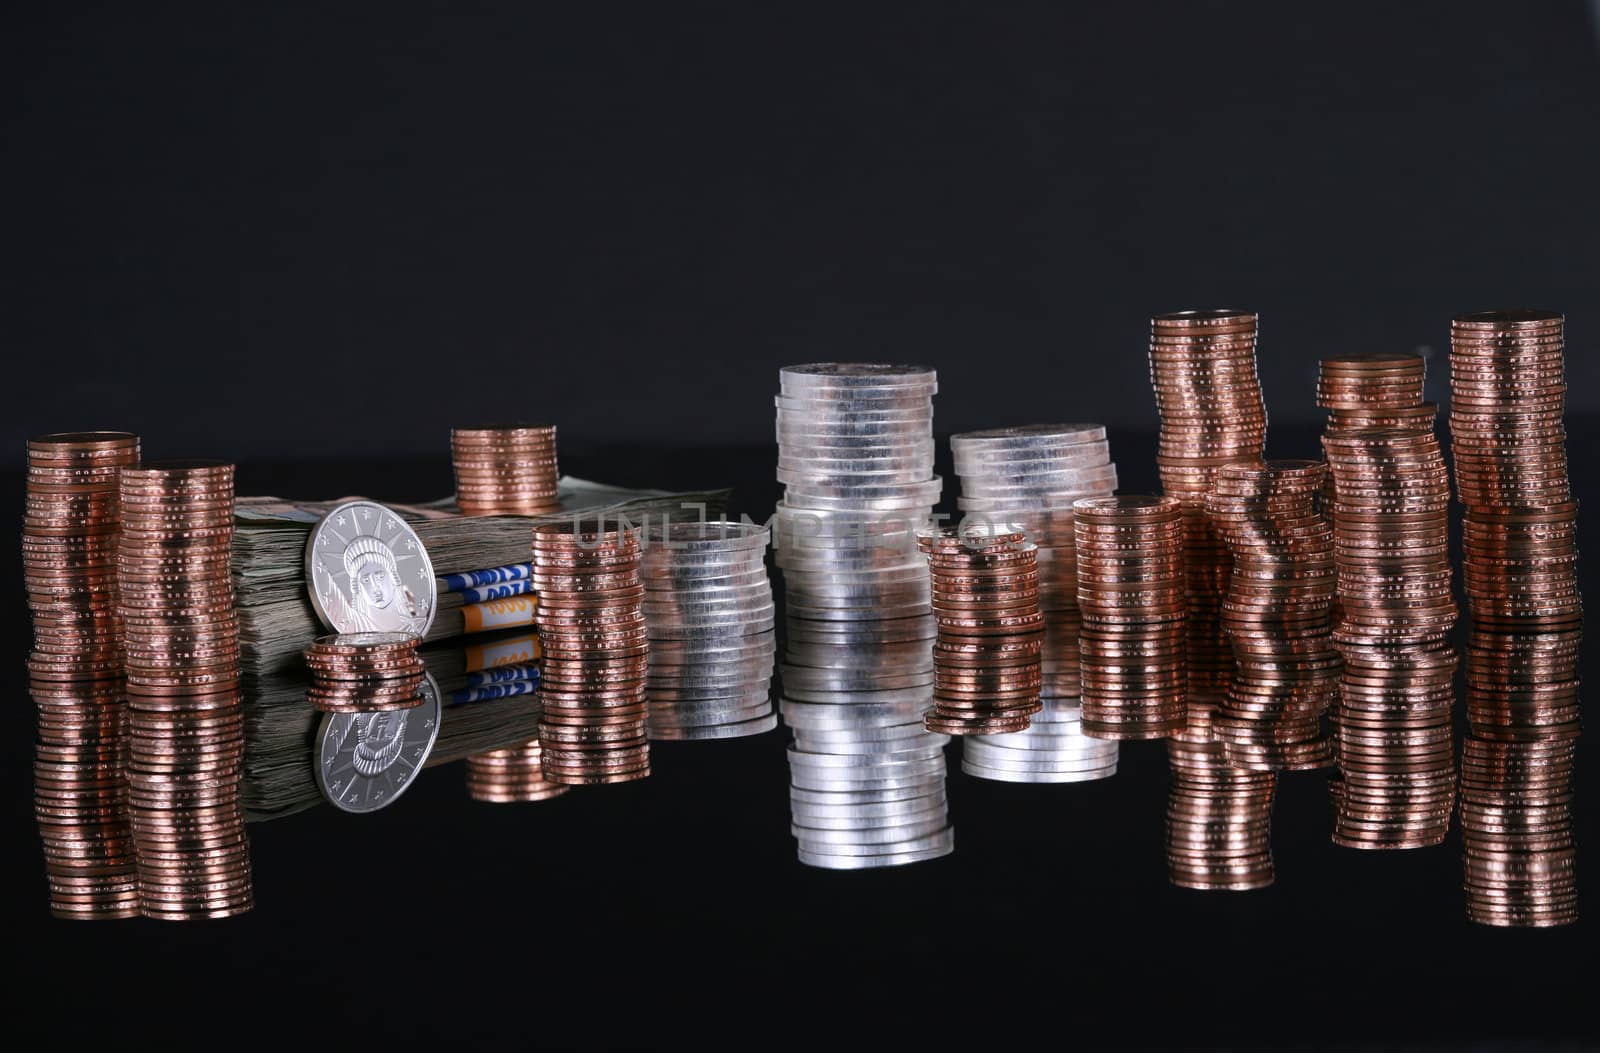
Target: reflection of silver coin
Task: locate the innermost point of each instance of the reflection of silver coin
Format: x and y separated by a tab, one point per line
366	760
367	571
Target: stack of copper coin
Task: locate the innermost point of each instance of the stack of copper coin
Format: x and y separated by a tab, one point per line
1219	816
1131	590
367	672
186	725
985	587
510	776
1520	540
69	545
505	469
1203	367
1391	497
596	653
1278	614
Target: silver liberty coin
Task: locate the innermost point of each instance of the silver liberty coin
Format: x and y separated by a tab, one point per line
365	761
367	571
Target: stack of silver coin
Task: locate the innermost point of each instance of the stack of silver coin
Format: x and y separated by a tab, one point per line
855	453
867	781
1052	749
708	606
1027	478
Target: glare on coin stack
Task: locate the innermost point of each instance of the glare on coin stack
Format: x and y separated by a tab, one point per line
596	652
69	542
510	776
867	779
1278	614
855	453
1131	590
1394	739
708	604
505	469
1508	381
986	607
369	672
186	725
1208	395
1219	817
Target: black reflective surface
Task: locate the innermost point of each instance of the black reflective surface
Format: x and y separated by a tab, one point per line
676	906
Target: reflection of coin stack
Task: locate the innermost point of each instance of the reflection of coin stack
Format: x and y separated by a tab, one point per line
1131	590
596	653
69	542
1508	380
510	776
1028	478
1278	614
867	780
708	603
186	725
1203	367
1219	817
505	469
1396	786
855	452
986	607
365	672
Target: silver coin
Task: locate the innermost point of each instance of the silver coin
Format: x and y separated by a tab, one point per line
1030	434
861	633
1087	455
666	654
876	810
705	537
663	719
924	843
1013	760
909	400
849	681
687	579
738	730
1069	478
854	374
825	780
367	571
888	764
868	840
824	716
365	761
712	672
850	798
833	862
1036	777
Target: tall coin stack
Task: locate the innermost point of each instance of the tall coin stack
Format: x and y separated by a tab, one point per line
867	779
505	469
1278	614
1508	381
1131	589
69	544
855	453
986	607
596	653
1219	816
186	724
708	604
1208	396
1396	786
368	672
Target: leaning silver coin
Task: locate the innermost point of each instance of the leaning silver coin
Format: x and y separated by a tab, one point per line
367	571
366	761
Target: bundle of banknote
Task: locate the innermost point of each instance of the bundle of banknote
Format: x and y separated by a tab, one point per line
277	620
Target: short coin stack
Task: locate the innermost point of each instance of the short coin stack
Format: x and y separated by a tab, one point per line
1394	740
367	672
855	452
186	724
69	543
513	775
1508	381
1027	478
1053	749
708	604
867	779
505	469
596	653
1131	589
986	608
1208	394
1278	614
1219	816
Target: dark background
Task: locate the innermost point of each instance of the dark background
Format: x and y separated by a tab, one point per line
313	239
